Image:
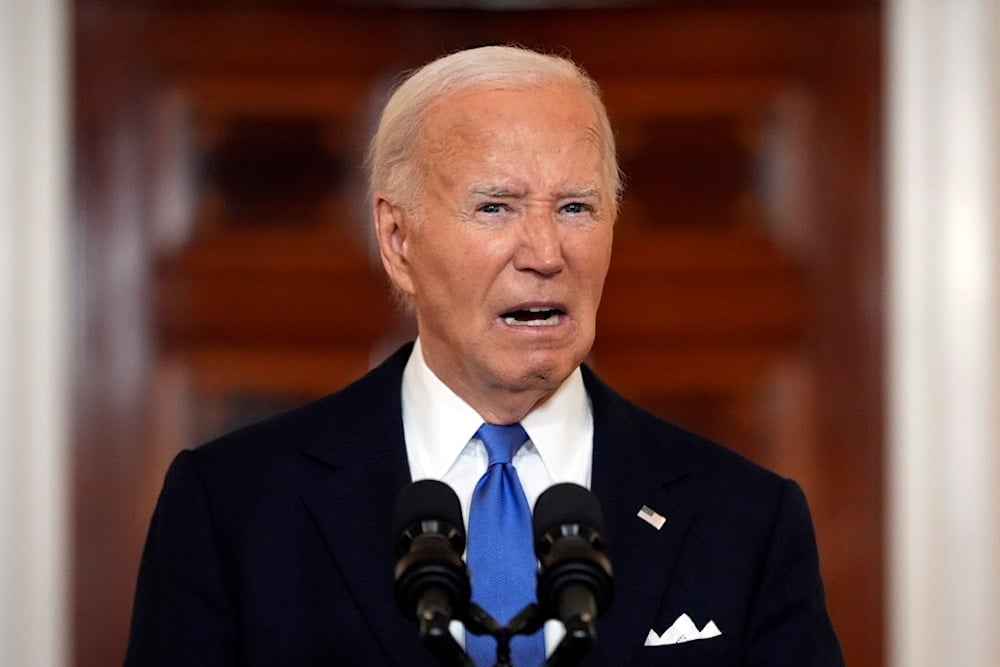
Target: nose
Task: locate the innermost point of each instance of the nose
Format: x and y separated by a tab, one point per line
540	245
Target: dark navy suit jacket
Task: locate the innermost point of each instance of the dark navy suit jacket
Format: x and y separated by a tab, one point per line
273	546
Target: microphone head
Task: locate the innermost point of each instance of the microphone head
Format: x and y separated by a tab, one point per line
423	501
430	575
564	504
569	542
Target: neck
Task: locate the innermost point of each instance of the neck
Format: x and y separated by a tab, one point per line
495	401
498	404
497	410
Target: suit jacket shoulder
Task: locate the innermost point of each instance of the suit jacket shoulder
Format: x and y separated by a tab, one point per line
272	545
735	548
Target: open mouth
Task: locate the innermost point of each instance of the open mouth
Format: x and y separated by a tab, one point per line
533	317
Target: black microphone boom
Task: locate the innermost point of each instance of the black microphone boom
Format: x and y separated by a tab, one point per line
574	581
432	581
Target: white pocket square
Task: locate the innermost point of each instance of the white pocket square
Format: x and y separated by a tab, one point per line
683	630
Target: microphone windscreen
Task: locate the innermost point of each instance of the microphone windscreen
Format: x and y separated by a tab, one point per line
427	499
566	503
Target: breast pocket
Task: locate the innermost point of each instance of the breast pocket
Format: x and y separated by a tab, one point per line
714	652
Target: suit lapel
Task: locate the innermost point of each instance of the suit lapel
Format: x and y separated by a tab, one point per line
359	456
360	462
635	467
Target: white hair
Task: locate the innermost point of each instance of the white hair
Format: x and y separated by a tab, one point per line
391	156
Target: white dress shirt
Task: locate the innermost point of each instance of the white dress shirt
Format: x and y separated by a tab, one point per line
439	428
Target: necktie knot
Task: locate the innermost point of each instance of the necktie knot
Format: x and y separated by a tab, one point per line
502	441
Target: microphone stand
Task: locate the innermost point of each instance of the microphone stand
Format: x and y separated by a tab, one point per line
436	635
434	624
575	644
579	637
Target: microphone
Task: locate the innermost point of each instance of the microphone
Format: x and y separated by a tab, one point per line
432	581
574	581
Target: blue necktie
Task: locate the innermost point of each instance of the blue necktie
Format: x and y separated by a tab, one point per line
501	553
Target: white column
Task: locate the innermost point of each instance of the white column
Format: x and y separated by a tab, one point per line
944	332
34	406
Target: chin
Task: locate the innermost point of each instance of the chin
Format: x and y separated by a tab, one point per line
548	373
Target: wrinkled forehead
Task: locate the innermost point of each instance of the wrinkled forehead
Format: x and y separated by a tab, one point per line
553	117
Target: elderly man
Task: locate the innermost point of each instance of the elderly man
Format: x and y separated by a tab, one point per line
495	191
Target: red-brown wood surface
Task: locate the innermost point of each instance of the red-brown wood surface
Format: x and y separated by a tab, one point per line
225	269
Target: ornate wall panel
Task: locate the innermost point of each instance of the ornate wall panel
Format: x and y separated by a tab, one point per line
227	270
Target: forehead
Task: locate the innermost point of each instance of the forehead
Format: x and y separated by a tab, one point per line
537	124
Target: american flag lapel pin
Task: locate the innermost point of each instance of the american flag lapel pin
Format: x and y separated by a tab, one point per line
652	517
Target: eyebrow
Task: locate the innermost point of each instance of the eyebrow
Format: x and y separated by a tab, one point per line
493	191
503	191
582	193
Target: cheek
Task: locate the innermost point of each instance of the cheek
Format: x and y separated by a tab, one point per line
457	283
436	263
593	259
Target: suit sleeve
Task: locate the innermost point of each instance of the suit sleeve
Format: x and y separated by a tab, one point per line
182	614
789	624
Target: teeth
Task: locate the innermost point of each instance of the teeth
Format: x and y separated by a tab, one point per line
550	321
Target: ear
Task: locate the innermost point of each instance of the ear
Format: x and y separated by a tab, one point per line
391	232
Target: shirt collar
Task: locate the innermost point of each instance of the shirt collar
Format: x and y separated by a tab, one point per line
439	424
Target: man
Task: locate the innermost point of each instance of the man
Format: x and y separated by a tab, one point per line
495	192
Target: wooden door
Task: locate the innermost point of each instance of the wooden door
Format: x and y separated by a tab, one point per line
226	268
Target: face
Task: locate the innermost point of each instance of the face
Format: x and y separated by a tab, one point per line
504	255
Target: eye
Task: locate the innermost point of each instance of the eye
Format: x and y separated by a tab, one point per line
576	208
492	207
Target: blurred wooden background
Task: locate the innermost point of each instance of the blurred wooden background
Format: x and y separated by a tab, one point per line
225	268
